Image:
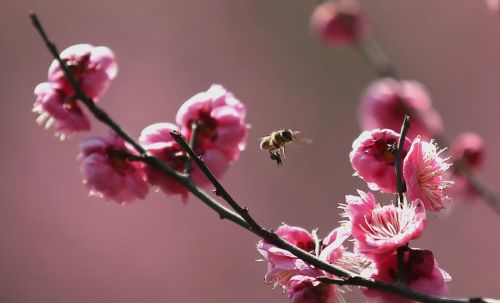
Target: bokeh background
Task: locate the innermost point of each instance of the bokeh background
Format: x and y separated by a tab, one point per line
59	245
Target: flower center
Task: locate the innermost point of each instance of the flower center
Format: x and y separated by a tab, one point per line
118	161
207	125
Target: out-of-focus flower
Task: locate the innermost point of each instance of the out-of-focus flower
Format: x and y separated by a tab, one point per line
156	139
386	101
339	22
92	67
494	5
305	289
282	264
373	158
468	147
108	173
379	230
221	119
424	173
422	274
59	109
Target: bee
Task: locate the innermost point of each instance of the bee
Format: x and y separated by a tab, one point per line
276	142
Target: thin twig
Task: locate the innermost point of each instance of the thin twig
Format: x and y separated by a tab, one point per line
195	128
224	213
400	183
219	189
369	48
401	188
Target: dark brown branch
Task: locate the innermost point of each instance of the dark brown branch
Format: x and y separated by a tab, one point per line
243	218
195	128
403	291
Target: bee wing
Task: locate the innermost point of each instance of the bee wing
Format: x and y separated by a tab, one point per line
302	141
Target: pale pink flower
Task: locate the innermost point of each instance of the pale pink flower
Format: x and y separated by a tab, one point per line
424	173
108	173
282	265
468	147
422	274
222	121
379	230
156	139
386	101
56	108
93	68
306	289
333	249
494	5
373	158
339	22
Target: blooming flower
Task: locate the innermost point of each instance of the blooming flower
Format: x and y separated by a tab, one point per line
468	148
424	174
282	265
422	273
92	67
494	5
339	22
108	173
58	109
305	289
333	249
373	159
156	139
221	119
379	230
386	101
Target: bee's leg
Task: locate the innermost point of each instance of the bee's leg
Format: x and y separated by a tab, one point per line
275	156
283	151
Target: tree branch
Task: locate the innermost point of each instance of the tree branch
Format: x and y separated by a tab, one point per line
243	218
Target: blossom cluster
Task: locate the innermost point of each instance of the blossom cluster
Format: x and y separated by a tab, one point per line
106	162
379	232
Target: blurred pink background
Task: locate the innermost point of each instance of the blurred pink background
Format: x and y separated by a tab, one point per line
59	245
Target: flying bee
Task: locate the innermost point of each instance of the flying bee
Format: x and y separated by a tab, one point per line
276	142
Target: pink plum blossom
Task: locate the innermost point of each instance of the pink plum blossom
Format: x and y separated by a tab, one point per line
58	109
468	147
333	249
93	68
386	101
156	139
108	173
379	230
305	289
422	274
424	173
221	119
373	159
339	22
494	5
282	265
